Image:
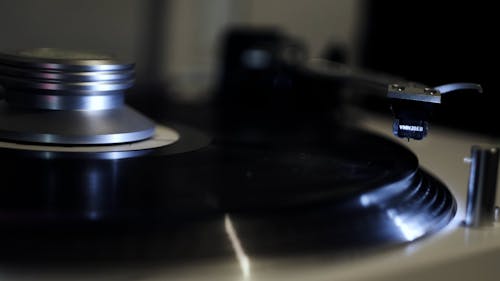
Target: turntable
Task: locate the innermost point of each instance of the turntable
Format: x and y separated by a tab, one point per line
89	182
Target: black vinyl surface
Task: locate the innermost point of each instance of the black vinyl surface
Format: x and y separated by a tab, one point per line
282	193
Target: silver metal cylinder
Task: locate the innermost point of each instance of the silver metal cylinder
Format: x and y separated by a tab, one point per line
482	186
55	96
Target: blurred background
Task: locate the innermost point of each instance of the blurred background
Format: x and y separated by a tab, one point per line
178	45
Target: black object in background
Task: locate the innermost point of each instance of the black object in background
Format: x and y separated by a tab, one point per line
263	82
437	43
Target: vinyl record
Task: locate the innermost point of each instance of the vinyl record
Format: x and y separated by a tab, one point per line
279	194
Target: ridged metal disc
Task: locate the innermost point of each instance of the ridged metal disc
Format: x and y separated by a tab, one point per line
54	75
99	86
57	59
